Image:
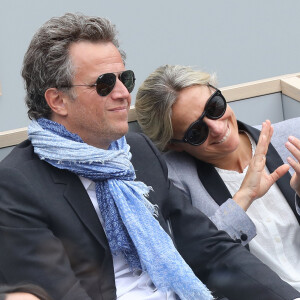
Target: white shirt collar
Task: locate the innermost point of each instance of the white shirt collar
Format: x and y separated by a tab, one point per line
87	183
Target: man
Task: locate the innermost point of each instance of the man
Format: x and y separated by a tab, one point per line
22	292
73	218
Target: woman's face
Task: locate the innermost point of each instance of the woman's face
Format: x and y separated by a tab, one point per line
223	137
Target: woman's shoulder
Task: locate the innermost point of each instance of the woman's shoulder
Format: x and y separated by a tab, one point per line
178	157
180	162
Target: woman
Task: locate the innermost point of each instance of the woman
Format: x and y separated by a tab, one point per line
208	155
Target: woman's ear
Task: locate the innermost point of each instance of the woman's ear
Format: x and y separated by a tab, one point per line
57	101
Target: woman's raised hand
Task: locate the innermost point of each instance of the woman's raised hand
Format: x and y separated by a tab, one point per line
257	181
293	145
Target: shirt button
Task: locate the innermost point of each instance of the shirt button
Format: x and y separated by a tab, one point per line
277	239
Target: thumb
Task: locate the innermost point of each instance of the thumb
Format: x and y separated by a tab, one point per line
279	172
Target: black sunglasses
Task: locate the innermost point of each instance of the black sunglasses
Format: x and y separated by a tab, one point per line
106	82
214	109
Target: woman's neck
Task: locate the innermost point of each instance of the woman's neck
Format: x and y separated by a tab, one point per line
239	159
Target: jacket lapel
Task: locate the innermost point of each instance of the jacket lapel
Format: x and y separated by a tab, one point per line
79	200
273	161
212	182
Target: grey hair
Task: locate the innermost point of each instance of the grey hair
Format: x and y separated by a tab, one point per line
47	62
158	93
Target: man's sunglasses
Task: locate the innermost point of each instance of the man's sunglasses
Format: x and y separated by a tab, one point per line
106	82
214	109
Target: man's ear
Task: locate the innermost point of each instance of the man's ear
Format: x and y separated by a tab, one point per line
57	101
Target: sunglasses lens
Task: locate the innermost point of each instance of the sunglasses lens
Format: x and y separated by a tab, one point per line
128	79
216	107
197	134
105	84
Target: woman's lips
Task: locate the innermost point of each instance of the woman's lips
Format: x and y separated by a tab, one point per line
224	138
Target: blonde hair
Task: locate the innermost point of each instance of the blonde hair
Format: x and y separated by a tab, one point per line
158	93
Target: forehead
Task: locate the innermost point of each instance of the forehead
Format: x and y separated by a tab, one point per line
191	99
94	59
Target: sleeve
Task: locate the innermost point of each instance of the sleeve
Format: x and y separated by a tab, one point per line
29	249
229	217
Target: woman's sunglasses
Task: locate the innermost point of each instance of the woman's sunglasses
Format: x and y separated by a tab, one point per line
214	109
105	83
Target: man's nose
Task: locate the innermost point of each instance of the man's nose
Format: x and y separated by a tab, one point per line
119	90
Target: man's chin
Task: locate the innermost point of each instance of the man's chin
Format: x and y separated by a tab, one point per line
122	131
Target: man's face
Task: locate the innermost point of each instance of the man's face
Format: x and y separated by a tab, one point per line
21	296
97	120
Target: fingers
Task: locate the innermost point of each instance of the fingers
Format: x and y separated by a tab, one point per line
295	165
295	141
293	145
269	130
259	158
264	138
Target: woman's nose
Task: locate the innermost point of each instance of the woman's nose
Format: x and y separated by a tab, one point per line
216	127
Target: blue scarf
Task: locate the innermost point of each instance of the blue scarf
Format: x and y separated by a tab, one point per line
128	218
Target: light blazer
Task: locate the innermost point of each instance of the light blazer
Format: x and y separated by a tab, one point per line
202	183
50	234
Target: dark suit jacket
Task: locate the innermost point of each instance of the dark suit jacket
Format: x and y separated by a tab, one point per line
210	178
50	234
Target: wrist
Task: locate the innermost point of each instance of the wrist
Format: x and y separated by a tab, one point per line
243	199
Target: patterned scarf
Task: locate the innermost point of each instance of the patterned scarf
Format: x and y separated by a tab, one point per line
128	218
